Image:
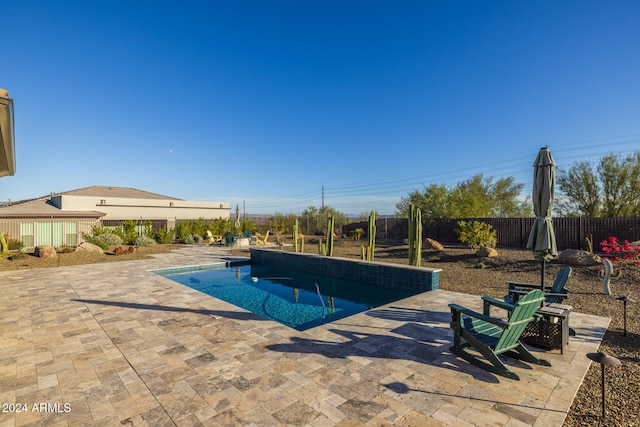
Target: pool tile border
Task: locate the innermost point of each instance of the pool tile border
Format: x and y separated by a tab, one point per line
384	275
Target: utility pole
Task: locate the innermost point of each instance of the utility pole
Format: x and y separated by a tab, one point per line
322	197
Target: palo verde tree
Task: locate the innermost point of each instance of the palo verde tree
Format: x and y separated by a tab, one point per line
609	188
477	197
315	219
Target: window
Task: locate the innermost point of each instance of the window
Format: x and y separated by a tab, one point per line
26	234
71	234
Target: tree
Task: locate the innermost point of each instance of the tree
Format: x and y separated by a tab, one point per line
316	219
476	197
610	189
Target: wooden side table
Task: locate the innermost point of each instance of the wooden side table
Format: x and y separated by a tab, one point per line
552	329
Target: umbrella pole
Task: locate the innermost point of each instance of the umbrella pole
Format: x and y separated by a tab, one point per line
542	271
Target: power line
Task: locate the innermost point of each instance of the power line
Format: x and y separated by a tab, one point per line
521	165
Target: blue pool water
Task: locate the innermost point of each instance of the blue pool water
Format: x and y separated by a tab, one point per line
298	300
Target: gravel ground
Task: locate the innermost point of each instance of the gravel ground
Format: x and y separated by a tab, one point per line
460	274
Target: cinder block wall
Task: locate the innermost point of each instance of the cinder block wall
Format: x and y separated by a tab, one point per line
379	274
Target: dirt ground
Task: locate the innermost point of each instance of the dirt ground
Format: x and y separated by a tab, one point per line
462	272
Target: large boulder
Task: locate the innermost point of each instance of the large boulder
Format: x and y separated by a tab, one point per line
89	247
487	252
45	251
432	245
578	257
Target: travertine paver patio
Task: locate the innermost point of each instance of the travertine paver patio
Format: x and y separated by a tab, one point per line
112	344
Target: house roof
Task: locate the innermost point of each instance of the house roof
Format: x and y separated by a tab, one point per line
107	191
42	207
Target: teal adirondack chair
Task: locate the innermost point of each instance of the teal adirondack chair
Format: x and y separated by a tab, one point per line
557	293
229	238
492	336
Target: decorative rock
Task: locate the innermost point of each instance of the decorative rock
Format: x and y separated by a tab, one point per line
430	244
45	251
487	252
89	247
578	257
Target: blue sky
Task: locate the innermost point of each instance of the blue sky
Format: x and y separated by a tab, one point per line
267	102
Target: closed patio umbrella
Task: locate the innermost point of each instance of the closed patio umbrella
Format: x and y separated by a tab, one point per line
237	217
7	154
542	238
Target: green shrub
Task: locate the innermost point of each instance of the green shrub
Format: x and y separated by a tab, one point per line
164	236
15	245
188	239
97	230
476	234
356	234
110	239
128	230
197	238
145	241
98	242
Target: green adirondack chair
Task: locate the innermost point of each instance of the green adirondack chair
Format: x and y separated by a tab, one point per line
557	293
492	336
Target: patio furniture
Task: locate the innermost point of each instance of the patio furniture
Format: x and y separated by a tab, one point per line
492	336
557	293
213	239
229	238
260	239
551	329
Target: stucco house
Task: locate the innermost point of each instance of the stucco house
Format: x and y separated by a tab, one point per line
62	218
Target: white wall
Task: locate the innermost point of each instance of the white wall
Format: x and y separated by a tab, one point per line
119	207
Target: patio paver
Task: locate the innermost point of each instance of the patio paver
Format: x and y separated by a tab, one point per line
113	343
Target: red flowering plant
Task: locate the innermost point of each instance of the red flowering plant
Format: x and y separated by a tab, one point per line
624	252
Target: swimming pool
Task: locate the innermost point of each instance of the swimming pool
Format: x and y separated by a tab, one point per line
298	300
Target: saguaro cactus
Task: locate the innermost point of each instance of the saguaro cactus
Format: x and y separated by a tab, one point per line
415	236
327	248
297	247
368	252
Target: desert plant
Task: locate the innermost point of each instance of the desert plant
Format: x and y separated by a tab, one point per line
188	239
145	241
96	230
3	243
587	243
327	248
356	234
110	239
476	234
197	239
164	236
128	231
15	245
368	253
624	252
415	236
98	242
297	247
